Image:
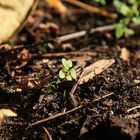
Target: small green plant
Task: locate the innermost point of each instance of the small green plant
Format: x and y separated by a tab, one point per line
130	14
67	72
129	11
121	28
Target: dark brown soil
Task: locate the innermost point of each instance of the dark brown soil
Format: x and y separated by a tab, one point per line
108	105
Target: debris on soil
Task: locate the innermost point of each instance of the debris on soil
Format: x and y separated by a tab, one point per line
104	102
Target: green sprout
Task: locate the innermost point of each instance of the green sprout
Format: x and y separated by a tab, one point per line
130	14
121	29
67	72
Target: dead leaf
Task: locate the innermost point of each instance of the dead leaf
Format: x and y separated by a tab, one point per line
7	113
12	14
136	81
96	68
124	54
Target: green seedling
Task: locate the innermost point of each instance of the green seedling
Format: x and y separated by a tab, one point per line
121	29
67	72
130	14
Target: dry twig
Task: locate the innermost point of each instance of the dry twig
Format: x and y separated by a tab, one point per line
72	96
135	107
63	38
92	8
49	137
67	112
56	116
83	33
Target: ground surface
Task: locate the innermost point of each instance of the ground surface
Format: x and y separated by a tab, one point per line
108	104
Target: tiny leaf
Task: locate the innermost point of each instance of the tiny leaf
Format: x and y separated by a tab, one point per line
61	74
64	62
122	7
119	30
69	78
136	20
125	10
69	63
66	69
129	31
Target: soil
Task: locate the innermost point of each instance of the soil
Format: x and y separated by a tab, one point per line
108	104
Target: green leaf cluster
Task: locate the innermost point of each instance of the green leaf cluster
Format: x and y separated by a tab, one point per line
127	9
121	28
130	14
67	72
